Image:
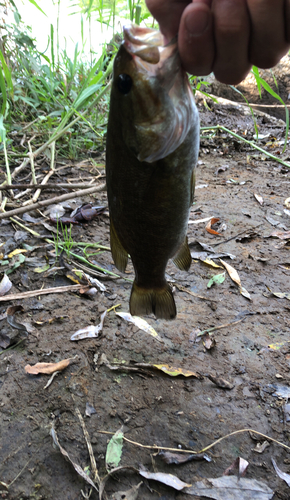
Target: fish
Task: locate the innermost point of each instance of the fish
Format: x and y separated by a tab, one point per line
152	148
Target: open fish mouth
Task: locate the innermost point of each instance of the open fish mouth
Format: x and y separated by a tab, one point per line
147	45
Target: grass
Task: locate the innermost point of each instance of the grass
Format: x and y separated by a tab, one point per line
61	98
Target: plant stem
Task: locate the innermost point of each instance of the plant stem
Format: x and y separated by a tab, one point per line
251	143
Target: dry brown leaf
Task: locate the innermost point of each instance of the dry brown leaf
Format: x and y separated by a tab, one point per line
282	235
47	368
235	277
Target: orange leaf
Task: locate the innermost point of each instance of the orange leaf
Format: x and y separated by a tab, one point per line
47	368
210	223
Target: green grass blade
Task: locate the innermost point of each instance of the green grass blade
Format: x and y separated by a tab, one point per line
37	6
251	109
7	74
260	81
3	91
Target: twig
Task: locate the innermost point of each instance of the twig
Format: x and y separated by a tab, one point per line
44	181
91	453
156	447
183	289
65	185
42	291
31	159
237	235
56	199
209	330
22	470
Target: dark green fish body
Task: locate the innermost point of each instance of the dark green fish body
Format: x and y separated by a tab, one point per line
152	148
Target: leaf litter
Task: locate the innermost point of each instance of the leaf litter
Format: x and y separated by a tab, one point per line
117	341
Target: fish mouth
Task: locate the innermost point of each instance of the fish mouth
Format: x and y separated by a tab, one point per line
146	47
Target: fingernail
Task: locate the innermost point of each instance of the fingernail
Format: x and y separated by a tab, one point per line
197	22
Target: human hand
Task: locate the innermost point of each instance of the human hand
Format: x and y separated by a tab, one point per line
225	36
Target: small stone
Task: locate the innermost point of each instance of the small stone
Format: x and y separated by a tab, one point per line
278	375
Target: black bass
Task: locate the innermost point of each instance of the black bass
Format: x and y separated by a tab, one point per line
152	150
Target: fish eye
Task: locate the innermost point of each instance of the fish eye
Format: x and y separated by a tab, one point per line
124	83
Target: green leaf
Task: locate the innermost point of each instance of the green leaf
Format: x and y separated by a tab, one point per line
217	279
2	130
114	450
260	81
37	6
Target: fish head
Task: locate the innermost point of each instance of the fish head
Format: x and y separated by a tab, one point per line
151	94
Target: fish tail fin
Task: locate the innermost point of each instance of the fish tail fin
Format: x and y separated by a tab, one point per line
159	300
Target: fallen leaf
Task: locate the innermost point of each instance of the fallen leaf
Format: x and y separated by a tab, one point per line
164	478
210	223
114	450
173	371
48	368
140	323
282	235
280	390
217	279
281	474
11	311
208	251
281	295
41	269
90	410
222	168
235	277
259	198
131	494
210	262
260	447
5	340
90	331
220	382
198	221
77	468
5	285
181	458
239	464
276	223
208	341
17	251
229	488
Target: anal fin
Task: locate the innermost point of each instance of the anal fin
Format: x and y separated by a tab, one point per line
160	301
183	258
119	254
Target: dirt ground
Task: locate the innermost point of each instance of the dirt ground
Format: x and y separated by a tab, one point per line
153	407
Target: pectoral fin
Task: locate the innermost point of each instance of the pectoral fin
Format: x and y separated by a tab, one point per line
183	258
119	254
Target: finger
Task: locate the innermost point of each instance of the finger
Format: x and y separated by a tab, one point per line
268	39
232	35
168	14
195	38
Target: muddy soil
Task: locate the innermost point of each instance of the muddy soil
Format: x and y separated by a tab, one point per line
152	407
